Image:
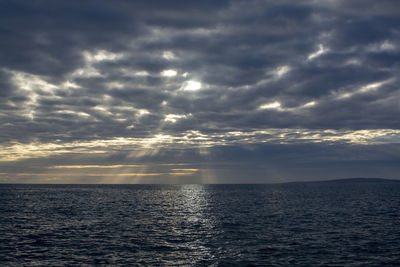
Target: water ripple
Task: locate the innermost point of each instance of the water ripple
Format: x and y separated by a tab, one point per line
356	224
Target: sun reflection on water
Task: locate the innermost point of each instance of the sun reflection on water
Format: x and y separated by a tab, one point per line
194	206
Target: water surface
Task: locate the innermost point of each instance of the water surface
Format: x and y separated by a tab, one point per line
329	224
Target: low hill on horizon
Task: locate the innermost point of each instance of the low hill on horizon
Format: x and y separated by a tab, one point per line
354	180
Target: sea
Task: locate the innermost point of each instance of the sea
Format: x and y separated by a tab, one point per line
295	224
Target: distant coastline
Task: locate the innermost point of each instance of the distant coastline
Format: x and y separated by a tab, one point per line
350	180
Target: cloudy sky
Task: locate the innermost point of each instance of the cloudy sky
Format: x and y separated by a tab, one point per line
205	91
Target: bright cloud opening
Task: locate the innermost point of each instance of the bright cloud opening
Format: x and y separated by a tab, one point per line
320	51
282	70
192	86
273	105
101	55
174	117
142	112
141	73
168	73
310	104
364	89
168	55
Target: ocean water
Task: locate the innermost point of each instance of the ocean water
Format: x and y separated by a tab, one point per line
304	224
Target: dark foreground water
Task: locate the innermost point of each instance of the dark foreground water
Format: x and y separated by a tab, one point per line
329	224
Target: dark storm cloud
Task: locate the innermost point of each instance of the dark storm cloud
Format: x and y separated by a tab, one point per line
100	70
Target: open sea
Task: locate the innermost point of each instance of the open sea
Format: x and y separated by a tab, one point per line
299	224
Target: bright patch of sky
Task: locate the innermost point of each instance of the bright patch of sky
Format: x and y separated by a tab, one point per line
321	50
272	105
191	86
168	55
101	55
169	73
282	70
363	89
174	117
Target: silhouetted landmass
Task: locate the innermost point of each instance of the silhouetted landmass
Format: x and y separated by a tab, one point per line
354	180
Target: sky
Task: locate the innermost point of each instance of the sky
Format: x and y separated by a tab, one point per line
180	91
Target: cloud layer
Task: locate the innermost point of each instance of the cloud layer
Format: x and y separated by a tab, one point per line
130	77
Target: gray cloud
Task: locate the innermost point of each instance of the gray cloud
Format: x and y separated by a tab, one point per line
96	70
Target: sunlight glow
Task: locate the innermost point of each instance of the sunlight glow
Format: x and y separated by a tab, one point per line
68	84
142	146
142	112
114	173
363	89
92	166
70	112
319	52
282	70
372	86
133	174
102	109
168	55
192	86
273	105
309	104
174	117
86	72
101	55
180	173
141	73
168	73
185	170
31	82
91	58
33	87
87	174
